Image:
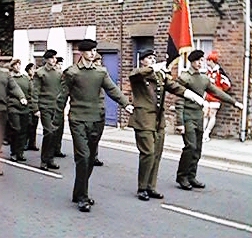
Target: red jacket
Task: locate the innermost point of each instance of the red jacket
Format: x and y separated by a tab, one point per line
220	79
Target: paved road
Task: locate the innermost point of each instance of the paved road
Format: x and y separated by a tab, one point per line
38	206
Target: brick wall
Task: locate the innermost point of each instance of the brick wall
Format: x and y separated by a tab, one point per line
106	15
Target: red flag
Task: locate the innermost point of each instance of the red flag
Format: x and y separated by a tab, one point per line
180	31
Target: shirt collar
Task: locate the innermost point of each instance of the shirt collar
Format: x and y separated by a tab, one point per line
81	65
193	71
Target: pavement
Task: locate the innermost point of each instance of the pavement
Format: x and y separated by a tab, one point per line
226	154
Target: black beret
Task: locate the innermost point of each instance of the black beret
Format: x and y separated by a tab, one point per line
59	59
195	55
28	67
87	44
146	52
49	54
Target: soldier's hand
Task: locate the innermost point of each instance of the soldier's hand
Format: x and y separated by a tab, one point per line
239	105
205	105
129	108
180	129
23	101
37	114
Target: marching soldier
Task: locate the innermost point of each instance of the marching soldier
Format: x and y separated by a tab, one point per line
18	114
190	120
46	88
83	82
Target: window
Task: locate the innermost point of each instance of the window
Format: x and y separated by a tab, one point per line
37	50
140	43
75	51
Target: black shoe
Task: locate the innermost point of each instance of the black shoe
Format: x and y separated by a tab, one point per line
184	183
98	163
43	166
84	206
143	195
52	165
21	158
90	201
13	158
60	155
34	148
154	194
196	184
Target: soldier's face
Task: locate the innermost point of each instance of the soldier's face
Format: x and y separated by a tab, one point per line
52	61
197	63
149	60
16	67
89	55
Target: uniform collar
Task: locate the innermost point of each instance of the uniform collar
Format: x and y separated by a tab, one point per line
48	68
82	66
192	71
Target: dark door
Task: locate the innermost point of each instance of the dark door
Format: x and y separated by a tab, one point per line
110	61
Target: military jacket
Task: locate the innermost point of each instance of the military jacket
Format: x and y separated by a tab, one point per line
198	83
8	85
148	88
47	86
84	86
14	105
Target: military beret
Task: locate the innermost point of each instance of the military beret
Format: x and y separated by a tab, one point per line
87	44
28	67
49	54
146	52
195	55
59	59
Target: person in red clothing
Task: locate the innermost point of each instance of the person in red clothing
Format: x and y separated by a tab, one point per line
219	78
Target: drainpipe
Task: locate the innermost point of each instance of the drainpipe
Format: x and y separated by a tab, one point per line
121	54
246	72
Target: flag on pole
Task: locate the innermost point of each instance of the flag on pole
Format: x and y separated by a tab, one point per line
180	31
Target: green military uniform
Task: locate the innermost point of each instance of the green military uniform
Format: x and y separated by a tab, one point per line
86	116
46	88
148	88
18	115
190	115
7	85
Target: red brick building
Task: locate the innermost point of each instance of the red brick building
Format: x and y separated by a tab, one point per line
122	28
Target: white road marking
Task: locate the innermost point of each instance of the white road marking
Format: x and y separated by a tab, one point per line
207	217
30	168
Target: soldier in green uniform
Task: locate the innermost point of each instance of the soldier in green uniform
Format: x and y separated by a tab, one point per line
149	84
33	121
7	86
60	132
83	82
18	114
190	120
46	88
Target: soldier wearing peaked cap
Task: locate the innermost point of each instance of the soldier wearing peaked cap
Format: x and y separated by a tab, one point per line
83	82
149	84
190	120
46	88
